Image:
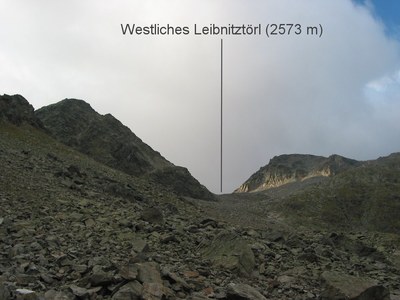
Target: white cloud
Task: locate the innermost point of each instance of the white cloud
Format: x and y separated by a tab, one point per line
384	89
380	85
289	94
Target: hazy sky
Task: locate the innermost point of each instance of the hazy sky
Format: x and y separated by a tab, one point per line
339	93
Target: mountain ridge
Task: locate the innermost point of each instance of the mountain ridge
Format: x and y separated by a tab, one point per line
76	124
290	168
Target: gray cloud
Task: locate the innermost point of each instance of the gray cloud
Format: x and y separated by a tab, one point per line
337	94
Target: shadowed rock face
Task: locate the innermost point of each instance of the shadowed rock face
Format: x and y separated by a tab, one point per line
17	110
179	180
291	168
105	139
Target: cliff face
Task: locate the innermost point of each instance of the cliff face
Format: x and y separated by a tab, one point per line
286	169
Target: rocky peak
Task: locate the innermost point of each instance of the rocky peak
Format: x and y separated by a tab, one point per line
105	139
17	110
75	123
289	168
337	164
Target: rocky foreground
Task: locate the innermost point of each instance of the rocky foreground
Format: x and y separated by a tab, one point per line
72	228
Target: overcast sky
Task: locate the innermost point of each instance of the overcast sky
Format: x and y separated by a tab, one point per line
288	94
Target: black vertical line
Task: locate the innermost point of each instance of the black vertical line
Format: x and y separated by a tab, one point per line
222	64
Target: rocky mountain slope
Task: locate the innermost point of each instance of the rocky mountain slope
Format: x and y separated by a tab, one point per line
333	192
76	124
291	168
105	139
73	228
362	198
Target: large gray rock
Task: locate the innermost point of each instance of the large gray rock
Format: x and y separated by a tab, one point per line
152	215
100	278
153	291
243	292
230	252
129	271
131	291
55	295
25	294
149	272
342	287
83	292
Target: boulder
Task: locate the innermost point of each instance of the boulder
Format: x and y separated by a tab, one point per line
130	291
242	291
153	291
54	295
149	272
175	279
230	252
139	245
152	215
83	292
342	287
129	271
100	278
25	294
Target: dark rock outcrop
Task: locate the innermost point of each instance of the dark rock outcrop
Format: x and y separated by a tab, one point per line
181	182
105	139
17	110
